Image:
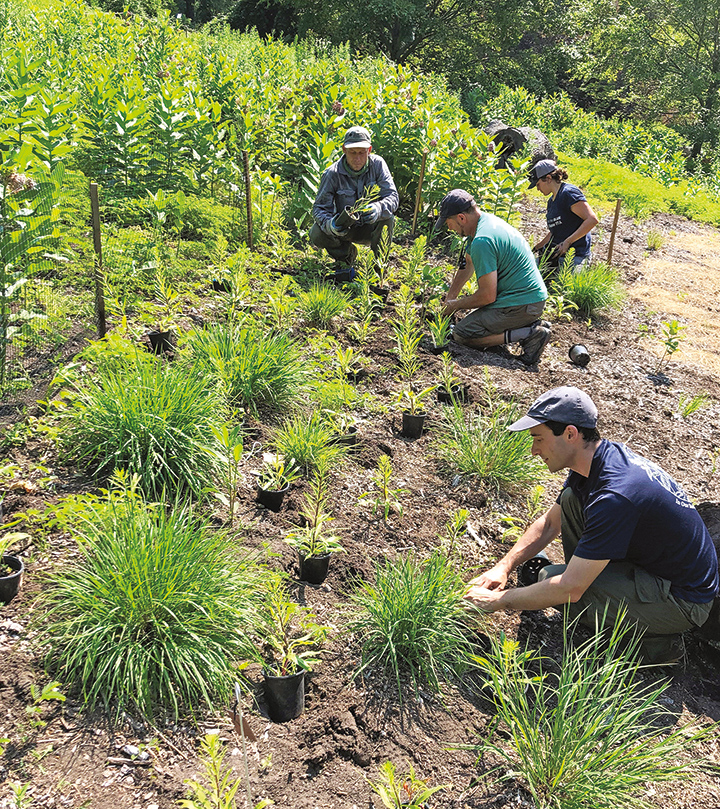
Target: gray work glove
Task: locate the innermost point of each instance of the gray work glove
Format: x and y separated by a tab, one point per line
371	215
334	229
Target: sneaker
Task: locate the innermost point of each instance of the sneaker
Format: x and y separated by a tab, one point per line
343	275
534	345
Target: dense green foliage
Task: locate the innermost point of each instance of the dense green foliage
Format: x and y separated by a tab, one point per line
153	611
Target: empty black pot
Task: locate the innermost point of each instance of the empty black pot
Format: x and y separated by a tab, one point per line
314	569
579	355
272	498
528	571
285	696
160	341
412	424
9	585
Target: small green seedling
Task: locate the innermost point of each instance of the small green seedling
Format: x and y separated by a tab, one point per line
386	498
673	333
50	692
411	401
687	405
230	439
402	791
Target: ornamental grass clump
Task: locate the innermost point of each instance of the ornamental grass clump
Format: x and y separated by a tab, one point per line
310	441
590	735
321	303
410	620
152	612
591	288
479	444
151	419
254	368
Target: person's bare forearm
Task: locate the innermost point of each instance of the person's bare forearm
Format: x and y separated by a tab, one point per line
462	276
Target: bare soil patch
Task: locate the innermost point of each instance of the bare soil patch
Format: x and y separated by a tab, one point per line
350	727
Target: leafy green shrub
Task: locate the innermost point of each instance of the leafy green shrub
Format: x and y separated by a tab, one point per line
590	735
311	441
150	419
255	369
411	619
153	610
479	444
590	288
321	303
202	217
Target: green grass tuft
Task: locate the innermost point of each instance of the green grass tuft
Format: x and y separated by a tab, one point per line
590	288
321	303
310	441
411	620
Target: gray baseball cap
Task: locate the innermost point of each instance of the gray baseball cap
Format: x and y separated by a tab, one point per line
541	169
357	137
567	405
453	203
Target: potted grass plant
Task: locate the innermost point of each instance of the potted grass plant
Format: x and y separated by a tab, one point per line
291	641
274	481
313	542
413	414
450	388
11	569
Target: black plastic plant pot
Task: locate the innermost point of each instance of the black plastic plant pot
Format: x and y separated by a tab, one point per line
160	342
9	585
579	355
314	569
437	350
459	393
529	571
285	696
272	498
349	438
381	292
347	220
221	285
412	424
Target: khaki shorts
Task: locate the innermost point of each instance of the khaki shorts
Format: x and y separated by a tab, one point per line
484	321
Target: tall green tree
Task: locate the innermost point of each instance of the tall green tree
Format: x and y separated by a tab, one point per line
659	59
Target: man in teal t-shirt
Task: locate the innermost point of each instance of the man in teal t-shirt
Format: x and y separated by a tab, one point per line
510	295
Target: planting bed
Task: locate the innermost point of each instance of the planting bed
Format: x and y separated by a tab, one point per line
323	759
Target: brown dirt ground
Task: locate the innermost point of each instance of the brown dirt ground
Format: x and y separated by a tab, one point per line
349	728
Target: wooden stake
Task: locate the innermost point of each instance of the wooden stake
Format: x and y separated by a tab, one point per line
98	271
418	196
248	199
612	233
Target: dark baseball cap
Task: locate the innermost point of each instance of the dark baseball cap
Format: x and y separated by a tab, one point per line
541	169
357	137
457	201
567	405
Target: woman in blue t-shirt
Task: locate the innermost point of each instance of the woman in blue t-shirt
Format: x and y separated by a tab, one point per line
569	217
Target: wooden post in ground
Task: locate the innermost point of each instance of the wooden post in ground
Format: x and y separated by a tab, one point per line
98	271
248	199
418	196
612	233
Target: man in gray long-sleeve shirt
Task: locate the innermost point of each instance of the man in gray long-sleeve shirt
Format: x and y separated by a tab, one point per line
341	186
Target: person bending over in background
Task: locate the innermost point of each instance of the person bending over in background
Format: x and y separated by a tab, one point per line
341	186
632	539
510	294
569	217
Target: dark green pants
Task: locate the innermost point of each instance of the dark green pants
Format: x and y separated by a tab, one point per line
342	248
647	599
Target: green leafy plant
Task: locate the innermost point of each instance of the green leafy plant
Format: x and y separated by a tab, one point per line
387	498
655	239
255	369
590	288
687	405
515	527
21	796
169	304
49	692
310	441
410	620
152	611
446	376
321	303
672	334
229	454
586	733
411	401
153	419
398	790
219	789
454	529
313	539
439	327
370	194
278	474
559	307
291	637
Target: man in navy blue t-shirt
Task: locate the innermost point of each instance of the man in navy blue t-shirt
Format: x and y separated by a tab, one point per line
630	535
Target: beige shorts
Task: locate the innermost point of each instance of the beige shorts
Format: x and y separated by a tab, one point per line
484	321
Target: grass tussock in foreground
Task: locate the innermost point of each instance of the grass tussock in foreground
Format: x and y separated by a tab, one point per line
154	609
592	734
